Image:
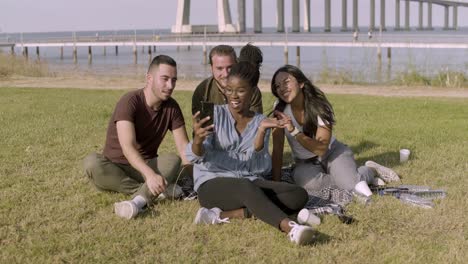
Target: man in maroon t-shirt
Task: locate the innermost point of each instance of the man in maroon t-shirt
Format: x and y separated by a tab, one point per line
130	162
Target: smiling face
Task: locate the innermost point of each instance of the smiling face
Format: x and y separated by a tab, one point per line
287	87
220	67
162	80
238	93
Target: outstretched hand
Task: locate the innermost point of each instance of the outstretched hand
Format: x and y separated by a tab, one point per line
285	119
200	132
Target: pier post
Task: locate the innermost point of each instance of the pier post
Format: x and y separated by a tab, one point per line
382	15
205	57
397	15
241	15
257	16
344	15
429	16
135	55
455	17
150	53
285	54
75	54
355	15
446	17
295	16
37	54
306	15
280	15
372	15
116	50
25	52
327	16
407	15
420	24
298	56
90	55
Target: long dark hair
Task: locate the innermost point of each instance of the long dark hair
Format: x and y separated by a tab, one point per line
315	101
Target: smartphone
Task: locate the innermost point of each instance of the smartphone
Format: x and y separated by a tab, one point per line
207	109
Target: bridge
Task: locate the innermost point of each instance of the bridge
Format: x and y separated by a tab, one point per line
225	23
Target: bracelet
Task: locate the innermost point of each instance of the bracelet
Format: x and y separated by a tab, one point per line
295	132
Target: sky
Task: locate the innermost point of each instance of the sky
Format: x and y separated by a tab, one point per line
80	15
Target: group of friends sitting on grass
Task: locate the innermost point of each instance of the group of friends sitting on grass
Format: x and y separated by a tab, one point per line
233	172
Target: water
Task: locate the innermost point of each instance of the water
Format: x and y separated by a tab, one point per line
353	64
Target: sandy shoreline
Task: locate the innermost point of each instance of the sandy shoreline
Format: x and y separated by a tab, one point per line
125	83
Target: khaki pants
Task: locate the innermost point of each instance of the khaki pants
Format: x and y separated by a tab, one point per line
109	176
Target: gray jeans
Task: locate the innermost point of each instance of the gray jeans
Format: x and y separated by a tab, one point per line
337	169
109	176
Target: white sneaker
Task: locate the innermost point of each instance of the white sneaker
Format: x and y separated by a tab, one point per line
378	182
126	209
300	234
209	216
387	174
173	191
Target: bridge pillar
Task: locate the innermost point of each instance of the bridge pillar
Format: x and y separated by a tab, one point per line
295	16
241	15
280	15
355	15
372	15
344	15
224	17
455	17
327	16
429	16
446	17
382	15
182	16
257	16
407	14
397	15
307	15
420	22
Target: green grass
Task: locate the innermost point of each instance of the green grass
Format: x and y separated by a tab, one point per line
50	213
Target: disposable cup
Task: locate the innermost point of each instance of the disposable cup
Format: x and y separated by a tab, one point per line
305	217
362	188
404	155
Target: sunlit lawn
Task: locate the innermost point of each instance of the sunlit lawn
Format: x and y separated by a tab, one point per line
50	213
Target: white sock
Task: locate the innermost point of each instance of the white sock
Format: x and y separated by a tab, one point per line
139	201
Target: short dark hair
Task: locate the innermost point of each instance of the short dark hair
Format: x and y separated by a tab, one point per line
252	54
245	71
222	50
162	59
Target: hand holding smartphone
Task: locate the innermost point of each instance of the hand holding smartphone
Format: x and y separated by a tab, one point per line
207	109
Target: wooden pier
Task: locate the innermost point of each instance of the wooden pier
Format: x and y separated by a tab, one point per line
235	41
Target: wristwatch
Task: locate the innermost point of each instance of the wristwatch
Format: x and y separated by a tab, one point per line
295	132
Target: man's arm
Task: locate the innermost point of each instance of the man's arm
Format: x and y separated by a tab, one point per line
127	139
256	101
181	141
